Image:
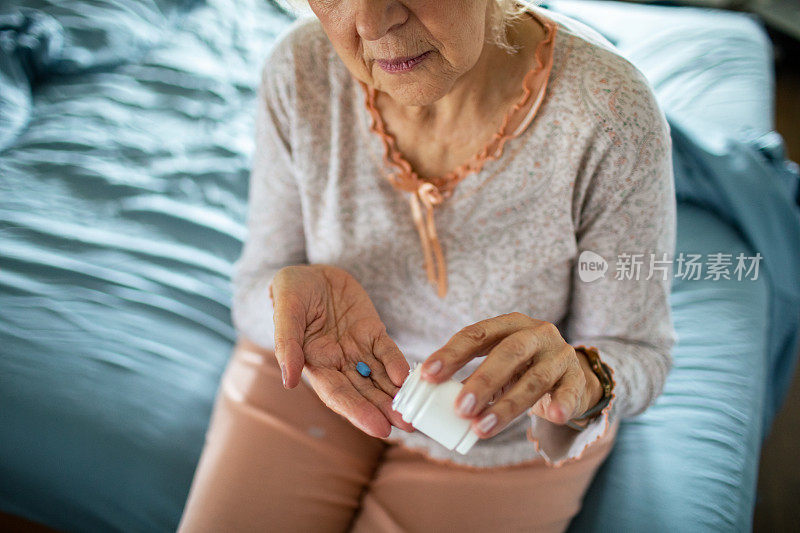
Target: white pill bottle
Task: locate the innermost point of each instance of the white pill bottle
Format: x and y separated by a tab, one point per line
430	408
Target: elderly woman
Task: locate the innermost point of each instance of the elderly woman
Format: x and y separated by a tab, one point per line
483	187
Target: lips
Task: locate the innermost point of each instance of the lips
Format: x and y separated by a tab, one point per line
401	64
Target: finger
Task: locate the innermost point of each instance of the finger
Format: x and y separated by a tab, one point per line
568	398
355	352
471	341
386	351
512	354
377	397
379	377
510	383
378	374
289	318
536	381
339	394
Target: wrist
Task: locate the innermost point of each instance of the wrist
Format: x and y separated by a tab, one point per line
594	388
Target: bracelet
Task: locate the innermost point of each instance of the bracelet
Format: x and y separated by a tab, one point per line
604	374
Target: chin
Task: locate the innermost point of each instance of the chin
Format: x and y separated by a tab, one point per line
414	93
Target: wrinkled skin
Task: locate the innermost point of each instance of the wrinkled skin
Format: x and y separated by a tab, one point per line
325	323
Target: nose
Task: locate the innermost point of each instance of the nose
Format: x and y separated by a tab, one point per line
374	18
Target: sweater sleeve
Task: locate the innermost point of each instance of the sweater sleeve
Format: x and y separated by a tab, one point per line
627	218
275	236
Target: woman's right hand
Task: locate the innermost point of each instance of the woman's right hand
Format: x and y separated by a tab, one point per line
326	323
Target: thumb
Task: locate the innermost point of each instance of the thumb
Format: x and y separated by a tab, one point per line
289	317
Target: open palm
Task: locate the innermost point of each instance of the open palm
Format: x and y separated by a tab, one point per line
326	323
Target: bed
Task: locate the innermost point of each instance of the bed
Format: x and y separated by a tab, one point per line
125	140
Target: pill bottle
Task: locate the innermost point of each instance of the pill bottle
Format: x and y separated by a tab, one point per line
430	408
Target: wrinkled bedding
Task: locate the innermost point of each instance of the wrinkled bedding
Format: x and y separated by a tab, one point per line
122	205
124	157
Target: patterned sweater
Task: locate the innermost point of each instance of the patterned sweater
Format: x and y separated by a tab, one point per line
583	166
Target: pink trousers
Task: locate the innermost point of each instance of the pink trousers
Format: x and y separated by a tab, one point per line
280	460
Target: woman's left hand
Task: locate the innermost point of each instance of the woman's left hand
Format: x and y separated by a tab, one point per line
527	358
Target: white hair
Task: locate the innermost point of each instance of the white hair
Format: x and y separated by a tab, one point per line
505	12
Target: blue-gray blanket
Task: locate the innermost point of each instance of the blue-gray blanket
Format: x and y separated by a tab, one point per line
751	185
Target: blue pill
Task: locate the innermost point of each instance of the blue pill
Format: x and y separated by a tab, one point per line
363	369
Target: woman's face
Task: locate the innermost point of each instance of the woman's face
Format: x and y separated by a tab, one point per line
413	50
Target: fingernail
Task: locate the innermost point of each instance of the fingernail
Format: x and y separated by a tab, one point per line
283	375
467	403
433	368
487	423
